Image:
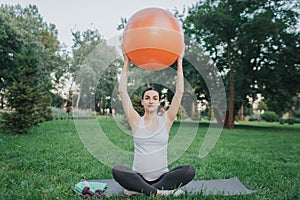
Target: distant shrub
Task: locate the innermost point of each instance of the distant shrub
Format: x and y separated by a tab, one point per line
182	114
28	103
59	113
252	118
56	100
281	121
291	120
297	120
270	116
297	114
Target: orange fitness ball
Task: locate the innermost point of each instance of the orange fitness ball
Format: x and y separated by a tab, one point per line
153	39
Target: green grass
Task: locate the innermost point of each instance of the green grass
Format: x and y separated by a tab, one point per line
48	162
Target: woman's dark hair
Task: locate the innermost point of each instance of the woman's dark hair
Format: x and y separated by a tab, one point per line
151	88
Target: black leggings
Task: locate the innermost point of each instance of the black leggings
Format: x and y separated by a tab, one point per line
132	180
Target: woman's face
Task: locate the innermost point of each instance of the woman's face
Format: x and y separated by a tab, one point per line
151	101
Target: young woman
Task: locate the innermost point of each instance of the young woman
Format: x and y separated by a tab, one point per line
150	174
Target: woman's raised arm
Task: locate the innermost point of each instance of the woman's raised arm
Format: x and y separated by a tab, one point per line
176	101
131	114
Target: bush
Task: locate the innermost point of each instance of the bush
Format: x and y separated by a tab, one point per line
297	114
252	118
182	114
270	116
297	120
59	113
29	107
56	100
291	120
281	121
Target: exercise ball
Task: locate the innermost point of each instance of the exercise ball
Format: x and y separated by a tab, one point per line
153	39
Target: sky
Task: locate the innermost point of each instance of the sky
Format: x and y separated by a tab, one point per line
103	15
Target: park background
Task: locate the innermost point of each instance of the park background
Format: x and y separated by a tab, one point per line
253	44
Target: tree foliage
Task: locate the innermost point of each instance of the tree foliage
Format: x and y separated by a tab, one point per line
28	97
255	46
30	62
96	69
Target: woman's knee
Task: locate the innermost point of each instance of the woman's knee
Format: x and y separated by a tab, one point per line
190	171
115	168
122	170
119	169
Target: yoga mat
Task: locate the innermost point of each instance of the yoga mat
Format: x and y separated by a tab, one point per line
224	187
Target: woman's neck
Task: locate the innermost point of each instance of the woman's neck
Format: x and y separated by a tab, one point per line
151	121
150	115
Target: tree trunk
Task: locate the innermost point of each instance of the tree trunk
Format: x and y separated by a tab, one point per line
192	110
100	107
241	112
78	99
231	92
2	100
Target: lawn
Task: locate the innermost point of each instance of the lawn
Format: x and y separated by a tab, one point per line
48	162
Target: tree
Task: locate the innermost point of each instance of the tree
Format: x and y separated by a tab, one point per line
30	59
28	96
25	26
96	68
247	39
10	45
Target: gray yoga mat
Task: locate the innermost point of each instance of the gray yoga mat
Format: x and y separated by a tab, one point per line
226	187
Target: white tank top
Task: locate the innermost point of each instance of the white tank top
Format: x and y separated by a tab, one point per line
150	150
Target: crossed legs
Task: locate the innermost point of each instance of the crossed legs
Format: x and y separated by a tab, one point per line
132	180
